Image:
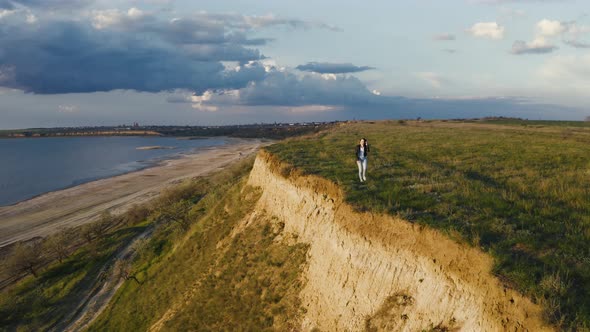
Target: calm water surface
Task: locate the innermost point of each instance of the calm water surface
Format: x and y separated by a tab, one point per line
33	166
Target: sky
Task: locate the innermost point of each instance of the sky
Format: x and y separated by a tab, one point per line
106	62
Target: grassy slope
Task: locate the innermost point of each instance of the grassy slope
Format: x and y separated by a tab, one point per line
521	193
39	303
247	283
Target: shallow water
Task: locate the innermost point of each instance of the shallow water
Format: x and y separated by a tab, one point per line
33	166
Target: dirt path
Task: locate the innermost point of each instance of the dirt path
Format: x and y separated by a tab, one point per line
101	293
48	213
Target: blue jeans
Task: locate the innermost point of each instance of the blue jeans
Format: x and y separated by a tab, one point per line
362	165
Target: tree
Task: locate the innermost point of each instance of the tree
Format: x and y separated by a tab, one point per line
100	227
57	244
136	214
123	269
25	258
177	213
587	118
87	233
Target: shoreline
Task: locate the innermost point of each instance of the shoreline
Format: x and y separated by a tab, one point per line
146	164
75	205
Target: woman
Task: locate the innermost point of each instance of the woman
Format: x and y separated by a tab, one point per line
362	149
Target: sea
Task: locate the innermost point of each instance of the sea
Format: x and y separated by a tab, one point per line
33	166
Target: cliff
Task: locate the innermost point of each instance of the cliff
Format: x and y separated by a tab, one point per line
376	272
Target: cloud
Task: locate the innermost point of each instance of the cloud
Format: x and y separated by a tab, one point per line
271	20
567	71
134	50
491	30
550	28
537	46
6	12
546	30
512	1
577	44
69	109
328	97
45	4
511	13
434	79
102	19
284	88
68	57
202	20
332	68
444	37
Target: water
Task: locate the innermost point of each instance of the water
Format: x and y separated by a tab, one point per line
33	166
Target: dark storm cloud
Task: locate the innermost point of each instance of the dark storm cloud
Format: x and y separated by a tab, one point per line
332	68
133	50
45	4
70	57
287	89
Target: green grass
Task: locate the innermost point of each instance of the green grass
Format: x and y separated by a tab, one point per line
39	303
520	193
248	282
536	123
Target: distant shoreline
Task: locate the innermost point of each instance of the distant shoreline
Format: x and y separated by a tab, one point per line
144	133
146	164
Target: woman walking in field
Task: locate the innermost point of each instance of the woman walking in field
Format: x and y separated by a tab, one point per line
362	149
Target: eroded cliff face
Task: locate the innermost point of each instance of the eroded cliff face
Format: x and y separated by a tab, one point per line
376	272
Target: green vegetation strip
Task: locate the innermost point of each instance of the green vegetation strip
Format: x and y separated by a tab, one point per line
246	282
521	193
39	303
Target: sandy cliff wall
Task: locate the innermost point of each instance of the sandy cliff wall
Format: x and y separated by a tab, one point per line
378	272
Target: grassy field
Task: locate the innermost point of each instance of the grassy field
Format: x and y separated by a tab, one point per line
248	282
521	193
535	123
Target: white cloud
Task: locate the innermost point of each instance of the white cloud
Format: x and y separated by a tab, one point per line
200	102
546	30
135	13
550	28
444	37
68	109
434	79
490	30
31	18
102	19
538	46
5	12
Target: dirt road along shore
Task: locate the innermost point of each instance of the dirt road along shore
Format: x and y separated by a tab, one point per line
51	212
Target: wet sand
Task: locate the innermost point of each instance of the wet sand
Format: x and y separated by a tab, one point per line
51	212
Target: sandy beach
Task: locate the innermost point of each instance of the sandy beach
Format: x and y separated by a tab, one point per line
50	212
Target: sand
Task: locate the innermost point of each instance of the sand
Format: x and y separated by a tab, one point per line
46	214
